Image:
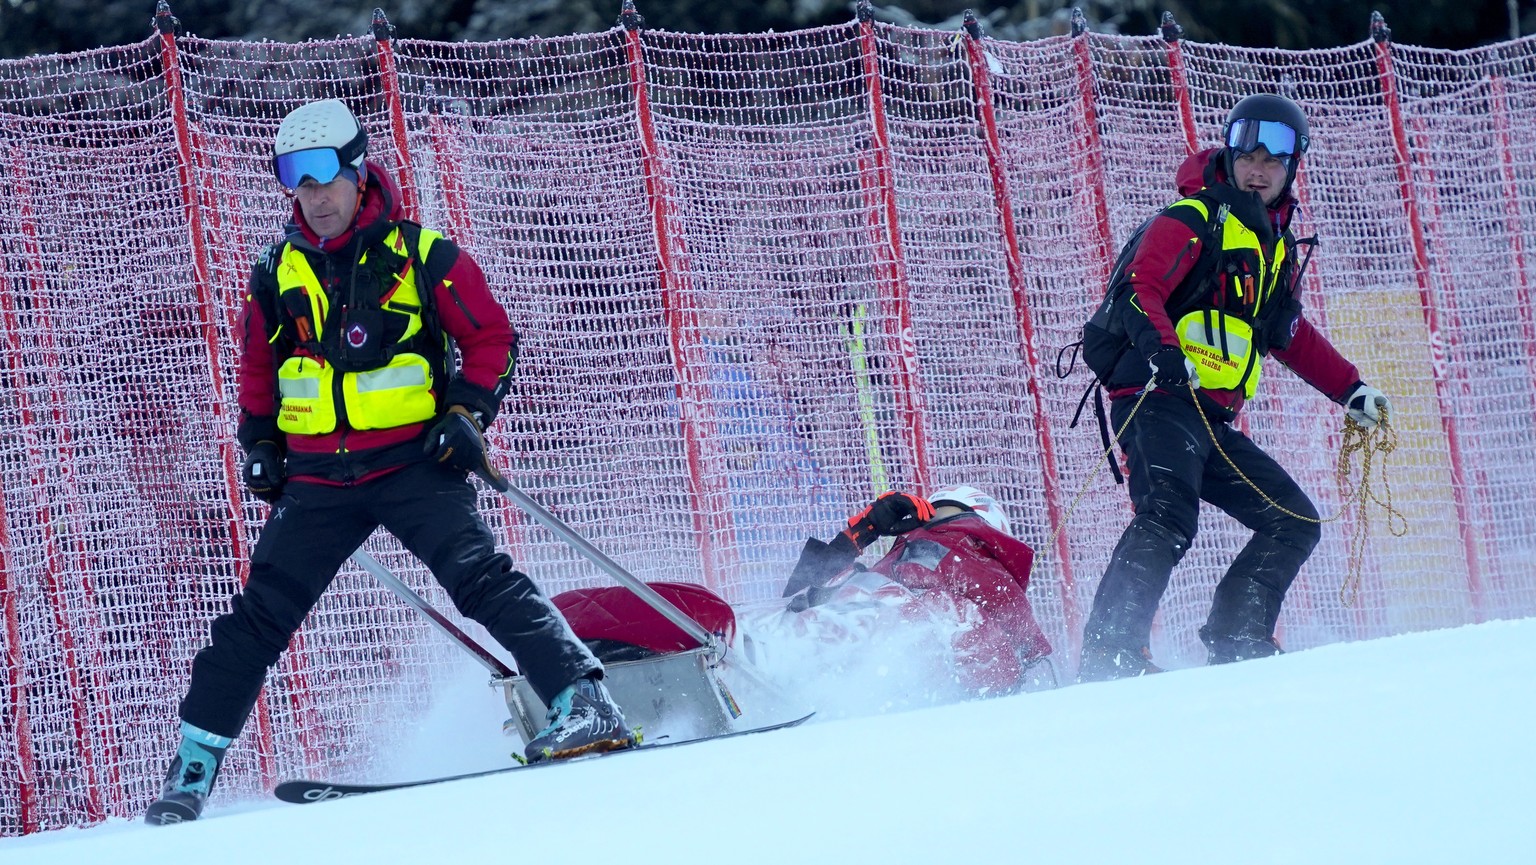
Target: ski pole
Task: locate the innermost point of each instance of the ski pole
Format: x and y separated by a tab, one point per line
440	621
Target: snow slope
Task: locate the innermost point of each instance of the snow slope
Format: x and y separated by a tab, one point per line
1414	749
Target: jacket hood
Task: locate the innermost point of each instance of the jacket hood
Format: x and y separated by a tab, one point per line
1200	170
380	205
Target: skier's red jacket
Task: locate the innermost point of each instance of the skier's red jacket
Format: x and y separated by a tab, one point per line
967	559
463	308
972	560
1161	263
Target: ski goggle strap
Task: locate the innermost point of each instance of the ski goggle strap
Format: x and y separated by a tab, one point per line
1280	139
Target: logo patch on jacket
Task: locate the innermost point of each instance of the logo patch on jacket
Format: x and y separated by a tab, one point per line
357	335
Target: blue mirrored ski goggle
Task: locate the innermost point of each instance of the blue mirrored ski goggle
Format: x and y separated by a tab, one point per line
321	163
1280	139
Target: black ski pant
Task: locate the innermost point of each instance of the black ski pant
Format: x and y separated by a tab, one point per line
1173	466
312	531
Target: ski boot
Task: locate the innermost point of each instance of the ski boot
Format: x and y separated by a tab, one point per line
1104	663
1230	650
190	777
583	719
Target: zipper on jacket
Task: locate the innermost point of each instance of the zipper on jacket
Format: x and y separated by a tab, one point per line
459	302
1193	241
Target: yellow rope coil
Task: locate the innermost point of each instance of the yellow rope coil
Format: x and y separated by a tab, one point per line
1369	443
1381	439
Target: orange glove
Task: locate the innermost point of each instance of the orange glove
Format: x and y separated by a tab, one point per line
890	515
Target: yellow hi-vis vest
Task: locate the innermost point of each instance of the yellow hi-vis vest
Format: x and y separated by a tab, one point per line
1220	340
398	392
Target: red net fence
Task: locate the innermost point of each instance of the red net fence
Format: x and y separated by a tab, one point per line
759	279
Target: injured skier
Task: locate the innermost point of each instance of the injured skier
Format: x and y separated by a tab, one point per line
942	616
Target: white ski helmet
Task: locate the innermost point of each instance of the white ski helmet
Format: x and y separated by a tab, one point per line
984	505
319	140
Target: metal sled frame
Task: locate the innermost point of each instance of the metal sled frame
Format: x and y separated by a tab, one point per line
678	693
692	694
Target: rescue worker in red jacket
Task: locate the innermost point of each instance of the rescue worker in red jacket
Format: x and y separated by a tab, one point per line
1204	314
354	415
957	544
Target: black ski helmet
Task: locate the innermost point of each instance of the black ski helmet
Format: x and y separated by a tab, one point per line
1258	119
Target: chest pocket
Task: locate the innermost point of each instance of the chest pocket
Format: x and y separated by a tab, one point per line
1222	349
305	386
396	394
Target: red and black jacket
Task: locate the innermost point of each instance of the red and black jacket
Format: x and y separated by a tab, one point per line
1162	263
462	308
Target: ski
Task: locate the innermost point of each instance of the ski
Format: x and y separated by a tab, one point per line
169	812
304	792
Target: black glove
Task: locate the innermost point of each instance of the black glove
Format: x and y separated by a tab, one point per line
456	441
1172	370
263	472
891	514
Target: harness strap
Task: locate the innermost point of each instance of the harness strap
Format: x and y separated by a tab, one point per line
1096	391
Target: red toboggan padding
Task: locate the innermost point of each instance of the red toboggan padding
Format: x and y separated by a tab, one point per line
615	613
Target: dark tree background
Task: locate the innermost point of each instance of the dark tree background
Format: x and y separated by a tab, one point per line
51	26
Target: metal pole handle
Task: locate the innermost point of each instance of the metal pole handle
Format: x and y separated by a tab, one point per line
666	608
438	620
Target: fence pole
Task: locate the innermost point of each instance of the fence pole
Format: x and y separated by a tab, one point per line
677	303
1094	150
186	170
891	258
389	78
1172	33
450	170
1428	302
1513	217
15	658
1514	220
76	678
443	138
16	686
1002	198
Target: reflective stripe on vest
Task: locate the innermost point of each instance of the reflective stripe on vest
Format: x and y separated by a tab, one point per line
300	388
395	394
391	377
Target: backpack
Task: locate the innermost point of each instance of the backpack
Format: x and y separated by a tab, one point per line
1105	339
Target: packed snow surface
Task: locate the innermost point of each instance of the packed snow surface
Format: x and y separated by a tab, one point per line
1413	749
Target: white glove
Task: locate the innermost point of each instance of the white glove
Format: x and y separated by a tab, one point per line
1366	406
